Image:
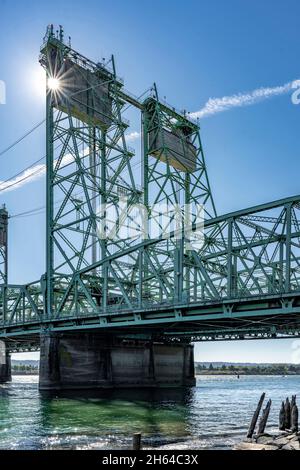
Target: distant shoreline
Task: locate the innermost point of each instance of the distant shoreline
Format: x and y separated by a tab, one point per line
240	369
244	374
24	372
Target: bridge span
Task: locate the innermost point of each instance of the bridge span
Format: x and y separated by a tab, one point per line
123	311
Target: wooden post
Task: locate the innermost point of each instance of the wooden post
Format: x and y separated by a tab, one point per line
255	416
294	420
282	417
264	418
136	441
287	413
293	402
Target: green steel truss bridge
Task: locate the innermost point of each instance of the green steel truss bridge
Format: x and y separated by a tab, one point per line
242	283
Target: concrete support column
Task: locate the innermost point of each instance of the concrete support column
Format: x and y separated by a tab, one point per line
5	364
90	361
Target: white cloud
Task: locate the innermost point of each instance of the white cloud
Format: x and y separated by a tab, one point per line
2	92
218	105
213	106
30	174
26	176
132	136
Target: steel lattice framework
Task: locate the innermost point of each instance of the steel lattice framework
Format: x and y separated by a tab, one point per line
244	280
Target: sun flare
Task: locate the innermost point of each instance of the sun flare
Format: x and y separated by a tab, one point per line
53	83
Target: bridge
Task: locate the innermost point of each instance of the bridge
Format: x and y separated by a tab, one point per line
114	309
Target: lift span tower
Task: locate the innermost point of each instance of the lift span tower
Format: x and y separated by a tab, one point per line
121	311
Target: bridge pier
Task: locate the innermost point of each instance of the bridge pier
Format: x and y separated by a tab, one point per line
91	361
5	364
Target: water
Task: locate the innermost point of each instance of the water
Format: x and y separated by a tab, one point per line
215	414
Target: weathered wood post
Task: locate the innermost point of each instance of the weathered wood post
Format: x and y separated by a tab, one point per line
294	419
293	402
136	441
287	414
263	420
282	417
255	416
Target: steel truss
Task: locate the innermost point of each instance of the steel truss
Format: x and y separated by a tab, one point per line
248	281
243	282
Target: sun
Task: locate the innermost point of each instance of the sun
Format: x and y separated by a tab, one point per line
53	83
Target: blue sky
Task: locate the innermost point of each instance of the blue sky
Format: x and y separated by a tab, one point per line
194	50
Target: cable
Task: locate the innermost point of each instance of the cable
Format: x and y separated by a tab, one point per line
38	170
20	173
28	212
41	209
22	138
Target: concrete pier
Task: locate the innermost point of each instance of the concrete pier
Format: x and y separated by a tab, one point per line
92	361
5	364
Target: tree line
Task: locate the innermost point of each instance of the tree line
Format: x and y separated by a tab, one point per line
255	369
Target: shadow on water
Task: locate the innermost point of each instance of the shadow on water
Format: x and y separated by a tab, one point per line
152	395
111	417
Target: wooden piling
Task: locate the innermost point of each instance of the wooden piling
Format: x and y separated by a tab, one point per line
263	420
287	413
294	419
255	416
136	441
293	403
282	417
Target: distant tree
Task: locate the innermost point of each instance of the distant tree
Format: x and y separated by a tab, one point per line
211	367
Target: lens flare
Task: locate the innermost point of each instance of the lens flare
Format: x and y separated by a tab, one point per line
53	83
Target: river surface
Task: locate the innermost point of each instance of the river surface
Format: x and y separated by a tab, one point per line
213	415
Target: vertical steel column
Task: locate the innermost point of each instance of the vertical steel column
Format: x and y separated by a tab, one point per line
93	171
3	245
288	215
4	260
105	287
103	198
143	262
49	200
178	270
140	277
229	259
281	246
186	267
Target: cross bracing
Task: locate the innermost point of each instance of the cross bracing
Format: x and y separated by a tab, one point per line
242	281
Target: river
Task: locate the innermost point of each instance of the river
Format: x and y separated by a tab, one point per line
213	415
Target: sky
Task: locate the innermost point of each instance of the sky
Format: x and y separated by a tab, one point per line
230	63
